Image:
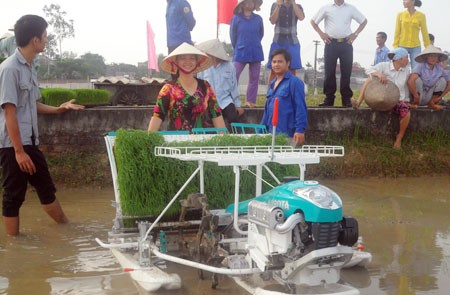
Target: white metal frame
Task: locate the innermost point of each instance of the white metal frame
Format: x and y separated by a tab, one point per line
238	157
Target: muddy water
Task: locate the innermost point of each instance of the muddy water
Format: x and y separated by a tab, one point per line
405	224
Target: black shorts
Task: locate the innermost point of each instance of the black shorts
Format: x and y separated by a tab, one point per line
15	181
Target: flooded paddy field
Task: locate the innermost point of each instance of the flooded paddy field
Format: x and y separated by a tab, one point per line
405	224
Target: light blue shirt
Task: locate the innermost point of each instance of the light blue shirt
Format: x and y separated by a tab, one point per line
224	83
381	55
19	86
430	77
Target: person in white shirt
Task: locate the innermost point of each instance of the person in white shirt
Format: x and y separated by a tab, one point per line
338	38
397	71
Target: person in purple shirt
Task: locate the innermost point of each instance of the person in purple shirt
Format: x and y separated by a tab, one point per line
246	33
180	22
381	53
429	82
290	91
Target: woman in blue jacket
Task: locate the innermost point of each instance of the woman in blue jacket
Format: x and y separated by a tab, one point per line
246	32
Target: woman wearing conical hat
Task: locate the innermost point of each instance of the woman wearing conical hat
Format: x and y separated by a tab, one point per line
429	82
222	77
186	102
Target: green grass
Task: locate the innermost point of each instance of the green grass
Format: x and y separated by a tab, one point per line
314	100
57	96
311	99
147	183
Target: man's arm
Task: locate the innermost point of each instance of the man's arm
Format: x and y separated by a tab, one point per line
12	126
301	113
275	12
69	105
298	10
324	36
188	16
355	34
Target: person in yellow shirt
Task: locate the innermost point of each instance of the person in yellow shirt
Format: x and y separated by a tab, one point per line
408	26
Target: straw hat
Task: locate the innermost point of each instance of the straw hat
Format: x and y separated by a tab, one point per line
169	65
214	48
6	35
422	57
381	97
258	4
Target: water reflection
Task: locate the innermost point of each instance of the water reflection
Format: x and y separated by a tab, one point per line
401	221
405	224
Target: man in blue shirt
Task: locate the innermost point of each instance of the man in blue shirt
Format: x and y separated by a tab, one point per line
290	91
180	22
381	53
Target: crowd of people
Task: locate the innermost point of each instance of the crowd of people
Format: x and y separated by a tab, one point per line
419	75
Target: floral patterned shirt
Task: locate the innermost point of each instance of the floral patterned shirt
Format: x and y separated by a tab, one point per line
187	111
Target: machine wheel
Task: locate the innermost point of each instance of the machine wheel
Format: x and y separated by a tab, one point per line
129	97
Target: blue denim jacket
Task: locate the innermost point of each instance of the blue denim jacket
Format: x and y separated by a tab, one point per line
179	21
292	110
246	35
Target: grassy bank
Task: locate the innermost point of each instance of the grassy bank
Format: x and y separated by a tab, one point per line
366	155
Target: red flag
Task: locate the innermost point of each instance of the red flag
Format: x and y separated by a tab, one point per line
152	62
225	11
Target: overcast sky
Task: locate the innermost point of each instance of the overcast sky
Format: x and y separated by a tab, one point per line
117	29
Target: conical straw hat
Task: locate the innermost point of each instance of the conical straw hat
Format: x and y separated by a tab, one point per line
258	4
214	48
203	62
422	57
381	97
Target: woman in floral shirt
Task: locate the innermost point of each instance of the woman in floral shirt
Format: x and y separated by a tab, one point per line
187	102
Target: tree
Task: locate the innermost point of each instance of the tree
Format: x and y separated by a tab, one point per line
62	28
93	64
50	47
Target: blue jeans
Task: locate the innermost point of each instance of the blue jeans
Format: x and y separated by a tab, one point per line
413	52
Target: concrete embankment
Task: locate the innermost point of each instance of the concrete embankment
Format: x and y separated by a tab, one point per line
84	130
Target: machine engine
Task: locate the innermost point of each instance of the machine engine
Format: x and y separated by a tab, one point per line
294	237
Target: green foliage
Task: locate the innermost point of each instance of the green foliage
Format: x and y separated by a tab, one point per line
147	183
92	96
2	58
57	96
422	153
311	99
